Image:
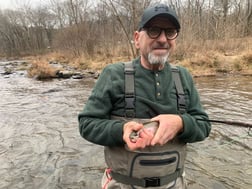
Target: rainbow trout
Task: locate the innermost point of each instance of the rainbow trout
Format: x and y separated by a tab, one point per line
151	126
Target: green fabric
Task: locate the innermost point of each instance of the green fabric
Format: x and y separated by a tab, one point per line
107	99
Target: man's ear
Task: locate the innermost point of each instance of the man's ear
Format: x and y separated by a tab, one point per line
136	39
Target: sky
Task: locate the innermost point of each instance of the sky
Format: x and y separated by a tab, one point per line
13	4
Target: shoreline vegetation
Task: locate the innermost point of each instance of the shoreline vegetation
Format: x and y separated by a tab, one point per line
201	58
199	64
49	65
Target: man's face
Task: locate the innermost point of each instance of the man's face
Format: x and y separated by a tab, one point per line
155	50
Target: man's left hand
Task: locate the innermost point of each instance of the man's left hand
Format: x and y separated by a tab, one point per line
169	126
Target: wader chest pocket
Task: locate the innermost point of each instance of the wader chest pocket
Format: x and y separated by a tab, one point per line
160	162
154	166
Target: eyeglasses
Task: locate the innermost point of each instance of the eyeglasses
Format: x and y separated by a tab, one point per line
155	32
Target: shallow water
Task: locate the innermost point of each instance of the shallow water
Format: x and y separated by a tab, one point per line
40	145
224	160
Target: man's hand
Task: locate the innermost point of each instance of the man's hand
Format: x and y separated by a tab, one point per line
144	136
169	126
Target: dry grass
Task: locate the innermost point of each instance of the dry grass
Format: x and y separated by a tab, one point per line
247	58
187	48
214	57
41	70
213	63
201	58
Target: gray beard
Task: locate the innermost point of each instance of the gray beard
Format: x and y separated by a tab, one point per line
157	59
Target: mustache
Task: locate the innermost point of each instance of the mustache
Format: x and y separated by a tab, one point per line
160	46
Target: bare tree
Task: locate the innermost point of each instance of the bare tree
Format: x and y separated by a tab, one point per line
248	28
106	27
127	14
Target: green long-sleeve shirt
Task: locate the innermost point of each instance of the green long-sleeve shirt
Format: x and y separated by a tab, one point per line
154	94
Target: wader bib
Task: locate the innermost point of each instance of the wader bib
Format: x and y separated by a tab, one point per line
158	167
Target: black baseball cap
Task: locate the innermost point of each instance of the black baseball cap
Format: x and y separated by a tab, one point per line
159	10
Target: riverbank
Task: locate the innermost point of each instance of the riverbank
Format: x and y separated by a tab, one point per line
214	63
54	65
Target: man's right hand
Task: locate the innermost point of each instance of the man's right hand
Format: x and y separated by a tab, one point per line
144	136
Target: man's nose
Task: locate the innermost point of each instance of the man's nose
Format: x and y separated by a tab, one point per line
162	37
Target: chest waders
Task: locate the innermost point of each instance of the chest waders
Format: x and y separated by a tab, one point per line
158	167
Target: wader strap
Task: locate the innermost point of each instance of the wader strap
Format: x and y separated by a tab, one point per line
148	181
129	90
179	88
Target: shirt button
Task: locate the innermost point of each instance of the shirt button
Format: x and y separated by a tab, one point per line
156	75
157	83
158	94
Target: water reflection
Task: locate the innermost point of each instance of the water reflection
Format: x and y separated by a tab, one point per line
40	145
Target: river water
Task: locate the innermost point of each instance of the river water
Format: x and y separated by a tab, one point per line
40	145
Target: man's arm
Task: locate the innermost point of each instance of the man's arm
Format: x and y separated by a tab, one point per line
94	121
193	130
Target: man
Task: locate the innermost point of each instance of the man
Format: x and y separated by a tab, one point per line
114	113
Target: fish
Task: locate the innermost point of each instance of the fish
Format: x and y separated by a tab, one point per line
151	126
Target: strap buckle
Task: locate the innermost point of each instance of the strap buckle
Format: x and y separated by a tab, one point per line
129	101
152	182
